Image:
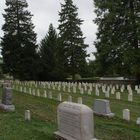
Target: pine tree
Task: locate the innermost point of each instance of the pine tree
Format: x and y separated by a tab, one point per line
19	41
50	56
71	38
118	37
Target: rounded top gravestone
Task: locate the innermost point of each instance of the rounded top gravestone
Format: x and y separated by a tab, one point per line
75	122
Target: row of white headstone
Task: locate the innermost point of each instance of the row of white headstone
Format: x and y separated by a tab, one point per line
36	92
50	95
78	86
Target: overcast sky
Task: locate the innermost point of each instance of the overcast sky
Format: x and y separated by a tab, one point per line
46	12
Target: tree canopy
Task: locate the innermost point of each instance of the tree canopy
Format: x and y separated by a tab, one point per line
118	37
19	41
50	56
71	38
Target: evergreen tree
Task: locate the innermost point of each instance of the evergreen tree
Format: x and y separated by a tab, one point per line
91	68
50	56
19	41
71	38
118	37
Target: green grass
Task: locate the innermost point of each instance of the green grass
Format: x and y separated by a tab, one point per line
43	123
13	127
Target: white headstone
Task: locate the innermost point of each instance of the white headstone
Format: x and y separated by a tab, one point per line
138	91
130	91
33	92
30	91
113	90
79	101
89	92
136	87
59	88
69	98
97	93
126	114
122	88
27	115
50	95
59	97
118	95
74	89
38	93
130	97
20	89
24	90
81	91
75	122
85	87
45	94
107	94
64	88
138	121
68	89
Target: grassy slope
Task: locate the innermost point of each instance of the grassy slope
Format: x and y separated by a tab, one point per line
43	123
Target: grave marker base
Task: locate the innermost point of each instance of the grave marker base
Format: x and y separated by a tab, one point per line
110	115
7	107
61	136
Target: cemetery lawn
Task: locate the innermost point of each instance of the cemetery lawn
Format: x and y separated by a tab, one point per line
44	123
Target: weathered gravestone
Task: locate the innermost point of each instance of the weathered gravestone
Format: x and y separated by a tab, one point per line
75	122
102	107
7	98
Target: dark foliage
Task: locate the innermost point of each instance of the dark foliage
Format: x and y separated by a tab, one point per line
19	42
118	37
72	40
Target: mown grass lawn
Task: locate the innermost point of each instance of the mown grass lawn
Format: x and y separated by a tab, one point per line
44	123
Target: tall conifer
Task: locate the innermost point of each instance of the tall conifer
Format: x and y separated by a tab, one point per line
50	56
71	38
19	41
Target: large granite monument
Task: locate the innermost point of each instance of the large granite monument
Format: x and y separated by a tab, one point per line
75	122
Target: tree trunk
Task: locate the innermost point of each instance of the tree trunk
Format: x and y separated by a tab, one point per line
138	78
